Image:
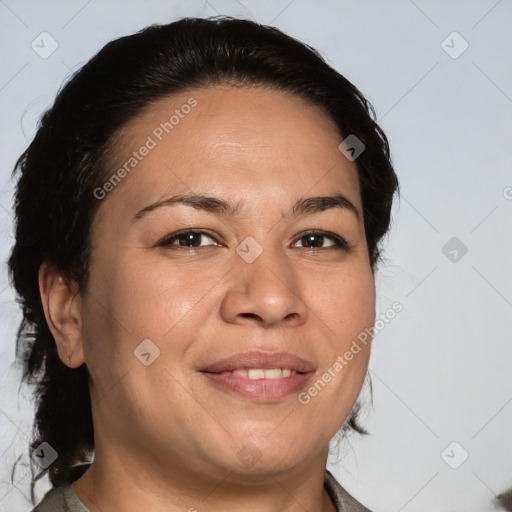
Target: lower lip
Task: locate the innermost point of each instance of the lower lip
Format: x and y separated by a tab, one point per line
262	390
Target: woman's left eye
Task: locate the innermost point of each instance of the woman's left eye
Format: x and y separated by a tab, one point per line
313	239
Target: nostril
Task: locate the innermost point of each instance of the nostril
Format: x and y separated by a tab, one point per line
249	315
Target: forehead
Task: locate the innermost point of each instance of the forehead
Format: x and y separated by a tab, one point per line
245	143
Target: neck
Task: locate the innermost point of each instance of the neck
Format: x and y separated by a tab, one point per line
122	480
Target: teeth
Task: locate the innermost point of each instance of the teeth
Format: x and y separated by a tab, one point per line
260	373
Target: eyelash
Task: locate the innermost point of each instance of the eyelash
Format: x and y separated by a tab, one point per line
339	243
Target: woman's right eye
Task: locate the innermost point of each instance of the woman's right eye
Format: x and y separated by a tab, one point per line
189	238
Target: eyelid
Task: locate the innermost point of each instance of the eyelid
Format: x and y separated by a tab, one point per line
339	242
166	240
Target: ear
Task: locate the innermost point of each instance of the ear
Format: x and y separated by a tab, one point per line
62	309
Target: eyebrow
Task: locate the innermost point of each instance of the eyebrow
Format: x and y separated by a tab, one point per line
217	205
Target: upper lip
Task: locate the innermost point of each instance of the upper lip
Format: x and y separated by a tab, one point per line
264	360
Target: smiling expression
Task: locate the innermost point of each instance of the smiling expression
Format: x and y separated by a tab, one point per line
241	230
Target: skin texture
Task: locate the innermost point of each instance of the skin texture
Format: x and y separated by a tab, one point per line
166	438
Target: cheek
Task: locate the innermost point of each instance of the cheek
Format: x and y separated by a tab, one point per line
132	302
155	301
345	309
345	303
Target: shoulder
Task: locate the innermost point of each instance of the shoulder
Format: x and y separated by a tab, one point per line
60	499
340	497
63	499
53	501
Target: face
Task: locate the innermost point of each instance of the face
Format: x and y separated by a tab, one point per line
276	272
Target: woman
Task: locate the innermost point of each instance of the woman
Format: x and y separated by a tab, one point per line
198	227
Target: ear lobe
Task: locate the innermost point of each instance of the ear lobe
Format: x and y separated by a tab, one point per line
62	309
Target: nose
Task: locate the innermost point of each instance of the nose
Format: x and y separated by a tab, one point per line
265	292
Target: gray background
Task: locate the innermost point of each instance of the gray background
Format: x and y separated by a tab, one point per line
441	368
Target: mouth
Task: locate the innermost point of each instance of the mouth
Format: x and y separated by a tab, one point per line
259	360
259	376
261	373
